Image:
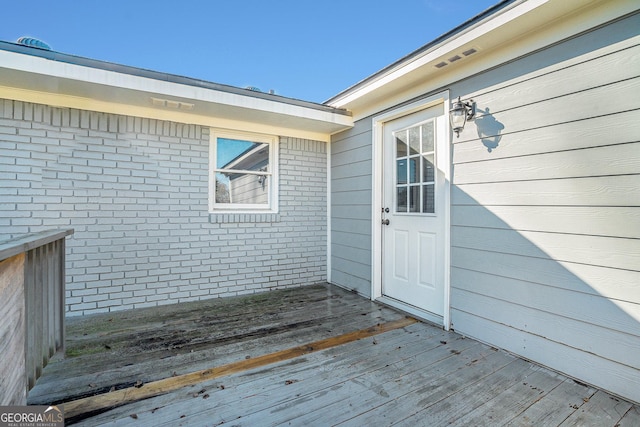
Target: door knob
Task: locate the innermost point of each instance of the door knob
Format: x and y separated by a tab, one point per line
385	222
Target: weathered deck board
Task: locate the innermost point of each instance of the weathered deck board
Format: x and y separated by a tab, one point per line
147	345
310	402
166	385
370	389
631	418
438	395
251	389
500	407
416	375
600	409
555	407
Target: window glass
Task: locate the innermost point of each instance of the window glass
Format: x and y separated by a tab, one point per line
401	144
428	171
414	140
242	173
415	169
401	166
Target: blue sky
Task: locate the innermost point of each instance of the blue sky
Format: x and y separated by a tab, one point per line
305	49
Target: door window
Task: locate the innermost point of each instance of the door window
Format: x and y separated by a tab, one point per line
415	169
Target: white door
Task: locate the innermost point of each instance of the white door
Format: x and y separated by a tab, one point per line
413	217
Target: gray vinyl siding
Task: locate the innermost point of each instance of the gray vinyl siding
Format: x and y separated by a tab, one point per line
351	170
136	192
545	221
546	224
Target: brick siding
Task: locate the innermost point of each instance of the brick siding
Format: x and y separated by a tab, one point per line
136	192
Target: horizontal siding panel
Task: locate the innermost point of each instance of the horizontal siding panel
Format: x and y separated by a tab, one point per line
353	183
621	159
356	197
593	191
597	221
563	109
589	368
592	45
560	80
352	240
592	132
607	282
356	269
609	344
356	154
359	255
591	308
348	281
351	212
593	250
360	131
362	168
359	226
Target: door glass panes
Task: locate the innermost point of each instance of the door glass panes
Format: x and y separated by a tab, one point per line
414	140
414	198
428	171
415	169
428	198
401	198
427	137
401	165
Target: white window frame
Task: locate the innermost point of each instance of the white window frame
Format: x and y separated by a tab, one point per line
272	141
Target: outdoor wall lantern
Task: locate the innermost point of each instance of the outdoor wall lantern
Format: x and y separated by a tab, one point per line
460	113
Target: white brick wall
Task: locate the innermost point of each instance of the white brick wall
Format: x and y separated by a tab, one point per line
135	191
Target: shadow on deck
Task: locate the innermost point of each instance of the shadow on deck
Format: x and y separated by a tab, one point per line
316	355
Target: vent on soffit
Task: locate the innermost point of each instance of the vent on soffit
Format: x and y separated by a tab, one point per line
176	105
456	57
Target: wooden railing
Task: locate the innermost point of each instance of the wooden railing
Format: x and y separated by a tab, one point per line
32	310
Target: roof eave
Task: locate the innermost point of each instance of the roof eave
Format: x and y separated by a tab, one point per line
361	86
36	75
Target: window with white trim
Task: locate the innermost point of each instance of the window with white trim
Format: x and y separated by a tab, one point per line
243	172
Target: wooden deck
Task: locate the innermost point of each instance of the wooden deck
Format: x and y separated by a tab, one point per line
309	356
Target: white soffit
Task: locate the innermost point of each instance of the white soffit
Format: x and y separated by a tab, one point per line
524	18
36	79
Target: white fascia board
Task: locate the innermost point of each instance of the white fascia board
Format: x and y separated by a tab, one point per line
447	46
93	77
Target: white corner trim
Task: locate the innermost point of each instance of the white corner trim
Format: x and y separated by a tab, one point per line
328	211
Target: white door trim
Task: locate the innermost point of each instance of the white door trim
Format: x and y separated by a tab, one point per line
377	185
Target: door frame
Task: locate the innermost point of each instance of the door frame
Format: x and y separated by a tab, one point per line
378	122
